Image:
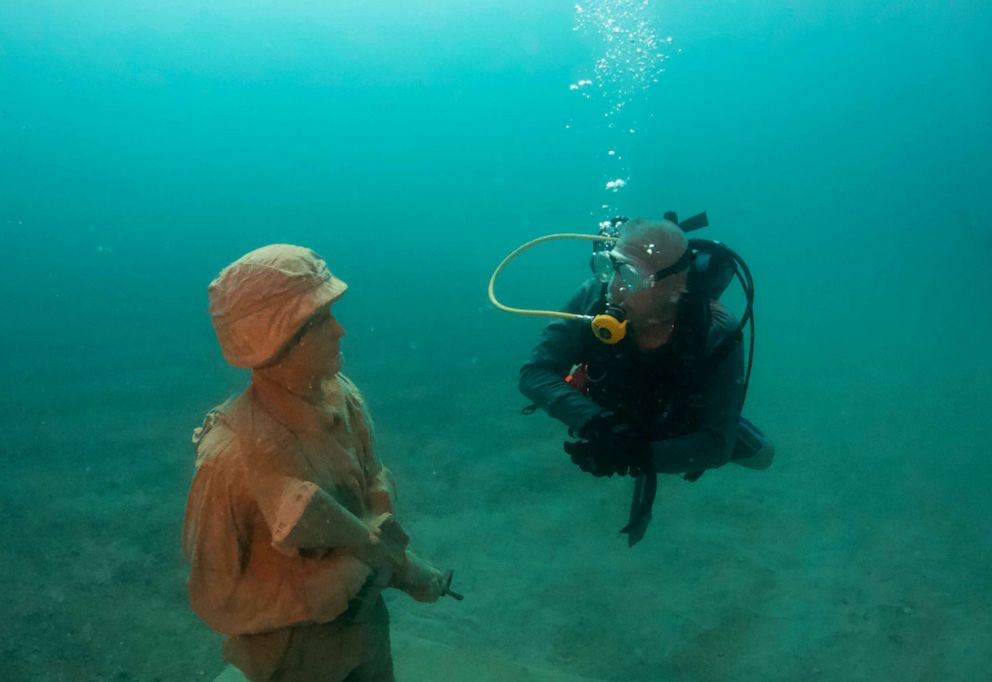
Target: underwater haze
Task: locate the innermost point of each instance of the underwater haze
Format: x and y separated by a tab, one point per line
843	148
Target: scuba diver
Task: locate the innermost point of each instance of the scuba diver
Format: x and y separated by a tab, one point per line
657	384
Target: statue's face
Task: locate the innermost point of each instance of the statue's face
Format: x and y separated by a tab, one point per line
319	348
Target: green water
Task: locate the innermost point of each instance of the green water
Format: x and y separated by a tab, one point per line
843	148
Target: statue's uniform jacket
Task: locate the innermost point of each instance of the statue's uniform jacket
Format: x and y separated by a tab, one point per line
264	553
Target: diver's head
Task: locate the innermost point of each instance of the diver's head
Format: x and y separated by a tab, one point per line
650	264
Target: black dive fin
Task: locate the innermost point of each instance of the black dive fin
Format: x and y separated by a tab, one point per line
645	490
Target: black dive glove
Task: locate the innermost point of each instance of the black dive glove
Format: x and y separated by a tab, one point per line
609	446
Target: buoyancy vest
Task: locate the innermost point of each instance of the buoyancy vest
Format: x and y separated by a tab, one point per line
660	392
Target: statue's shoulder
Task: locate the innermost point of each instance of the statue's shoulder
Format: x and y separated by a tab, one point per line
217	437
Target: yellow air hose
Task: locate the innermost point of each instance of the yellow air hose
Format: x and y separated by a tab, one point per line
607	328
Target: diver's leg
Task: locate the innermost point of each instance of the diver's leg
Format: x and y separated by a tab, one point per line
753	449
762	459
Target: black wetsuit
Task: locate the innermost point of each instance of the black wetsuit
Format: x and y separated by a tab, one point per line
685	396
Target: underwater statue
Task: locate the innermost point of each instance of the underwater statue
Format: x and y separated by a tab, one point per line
289	526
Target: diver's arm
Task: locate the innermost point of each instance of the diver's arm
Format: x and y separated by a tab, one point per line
712	445
542	378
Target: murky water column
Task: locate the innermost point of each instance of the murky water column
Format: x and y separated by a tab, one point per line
632	56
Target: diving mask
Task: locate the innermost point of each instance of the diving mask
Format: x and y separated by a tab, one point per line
607	266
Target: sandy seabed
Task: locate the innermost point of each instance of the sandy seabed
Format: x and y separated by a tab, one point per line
863	554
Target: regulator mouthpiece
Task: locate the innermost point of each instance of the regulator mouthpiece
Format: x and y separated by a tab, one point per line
610	327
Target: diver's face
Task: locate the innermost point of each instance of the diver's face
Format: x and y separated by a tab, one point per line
640	295
320	346
631	285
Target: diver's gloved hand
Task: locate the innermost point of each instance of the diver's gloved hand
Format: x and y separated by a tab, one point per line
590	459
610	446
599	459
605	425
